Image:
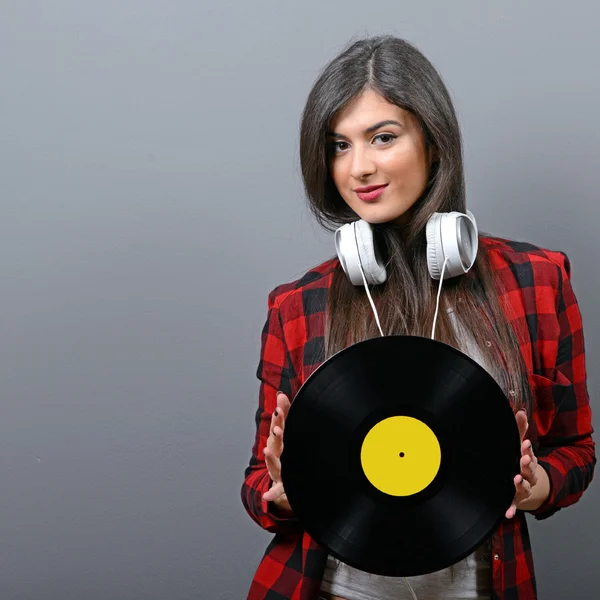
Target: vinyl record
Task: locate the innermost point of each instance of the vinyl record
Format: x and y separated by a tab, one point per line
399	455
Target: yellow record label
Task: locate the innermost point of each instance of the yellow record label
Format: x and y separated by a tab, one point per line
400	456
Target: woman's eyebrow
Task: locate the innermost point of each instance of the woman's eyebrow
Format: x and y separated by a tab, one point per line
368	129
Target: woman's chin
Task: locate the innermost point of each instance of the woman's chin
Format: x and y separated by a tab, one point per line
377	217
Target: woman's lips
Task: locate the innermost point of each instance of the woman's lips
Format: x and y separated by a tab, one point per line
372	195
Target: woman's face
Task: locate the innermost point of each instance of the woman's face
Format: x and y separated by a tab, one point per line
373	142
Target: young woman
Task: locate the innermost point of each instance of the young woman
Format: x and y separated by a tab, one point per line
380	115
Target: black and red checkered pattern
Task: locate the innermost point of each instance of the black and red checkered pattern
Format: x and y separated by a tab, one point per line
539	301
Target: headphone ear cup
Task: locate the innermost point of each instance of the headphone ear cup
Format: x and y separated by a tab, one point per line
435	251
451	236
355	247
373	267
470	244
347	251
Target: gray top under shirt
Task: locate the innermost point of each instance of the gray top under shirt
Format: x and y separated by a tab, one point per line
469	579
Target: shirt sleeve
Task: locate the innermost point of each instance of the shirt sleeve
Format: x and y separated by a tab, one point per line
273	374
567	451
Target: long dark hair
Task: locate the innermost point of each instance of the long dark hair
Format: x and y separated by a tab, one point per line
398	72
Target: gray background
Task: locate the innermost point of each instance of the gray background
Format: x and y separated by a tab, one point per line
150	198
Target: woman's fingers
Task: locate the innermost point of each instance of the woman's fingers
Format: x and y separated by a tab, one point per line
274	447
278	420
275	441
273	465
274	468
283	404
521	417
273	493
523	491
512	511
529	466
527	477
527	450
523	488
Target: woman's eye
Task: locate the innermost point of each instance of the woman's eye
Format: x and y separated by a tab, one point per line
382	137
335	146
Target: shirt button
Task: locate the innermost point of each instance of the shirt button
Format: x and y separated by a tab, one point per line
496	557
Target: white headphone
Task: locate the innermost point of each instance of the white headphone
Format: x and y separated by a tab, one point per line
451	237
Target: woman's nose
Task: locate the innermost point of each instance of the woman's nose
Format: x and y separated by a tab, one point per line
362	164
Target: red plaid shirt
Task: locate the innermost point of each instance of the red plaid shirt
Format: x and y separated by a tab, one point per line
541	305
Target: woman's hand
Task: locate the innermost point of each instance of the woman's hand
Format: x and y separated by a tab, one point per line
273	452
532	484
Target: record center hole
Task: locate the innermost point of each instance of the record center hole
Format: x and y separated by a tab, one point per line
401	454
